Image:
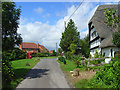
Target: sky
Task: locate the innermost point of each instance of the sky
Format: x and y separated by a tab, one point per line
43	22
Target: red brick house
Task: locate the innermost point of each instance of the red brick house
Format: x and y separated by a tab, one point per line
51	51
32	47
42	48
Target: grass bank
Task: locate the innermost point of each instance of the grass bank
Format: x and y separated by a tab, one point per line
20	69
81	81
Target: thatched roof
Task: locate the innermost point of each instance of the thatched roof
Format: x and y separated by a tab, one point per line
104	31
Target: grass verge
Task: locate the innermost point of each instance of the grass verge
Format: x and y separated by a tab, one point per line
51	57
81	81
20	69
82	84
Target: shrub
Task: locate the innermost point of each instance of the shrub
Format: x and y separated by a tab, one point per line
7	74
41	55
61	58
53	54
77	60
108	76
68	55
14	54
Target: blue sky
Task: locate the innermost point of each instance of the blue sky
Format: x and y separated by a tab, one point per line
50	11
43	22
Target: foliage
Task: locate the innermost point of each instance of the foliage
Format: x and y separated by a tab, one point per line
59	51
77	60
68	55
116	38
10	17
70	36
62	59
113	21
73	48
112	18
108	76
8	56
84	44
7	74
14	54
53	54
41	55
97	55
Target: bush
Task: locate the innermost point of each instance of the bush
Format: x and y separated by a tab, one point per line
77	60
68	55
53	54
41	55
108	76
61	58
97	61
14	54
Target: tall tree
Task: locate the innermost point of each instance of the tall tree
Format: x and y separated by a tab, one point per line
10	17
70	36
84	43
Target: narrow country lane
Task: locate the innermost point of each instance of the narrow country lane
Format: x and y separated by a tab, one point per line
46	74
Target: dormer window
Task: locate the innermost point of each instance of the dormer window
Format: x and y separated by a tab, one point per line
94	34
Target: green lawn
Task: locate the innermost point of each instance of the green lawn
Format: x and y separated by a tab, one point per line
20	69
69	66
50	57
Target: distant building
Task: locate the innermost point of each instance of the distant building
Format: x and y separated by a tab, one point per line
51	51
100	35
42	48
32	47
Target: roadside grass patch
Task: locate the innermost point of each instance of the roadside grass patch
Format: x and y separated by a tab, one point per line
69	66
50	57
20	69
84	83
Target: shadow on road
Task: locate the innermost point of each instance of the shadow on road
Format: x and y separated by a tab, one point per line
33	73
36	73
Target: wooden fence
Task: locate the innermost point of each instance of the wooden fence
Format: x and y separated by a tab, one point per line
92	59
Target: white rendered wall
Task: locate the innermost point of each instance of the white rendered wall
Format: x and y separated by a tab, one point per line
93	51
95	43
107	52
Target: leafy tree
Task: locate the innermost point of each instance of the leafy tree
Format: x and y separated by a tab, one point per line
73	48
10	17
113	21
10	38
70	36
84	43
59	50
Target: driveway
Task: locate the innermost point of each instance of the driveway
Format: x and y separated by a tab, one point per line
46	74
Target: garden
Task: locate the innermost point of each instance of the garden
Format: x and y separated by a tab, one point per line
105	76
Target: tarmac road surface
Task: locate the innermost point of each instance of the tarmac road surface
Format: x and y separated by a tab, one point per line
46	74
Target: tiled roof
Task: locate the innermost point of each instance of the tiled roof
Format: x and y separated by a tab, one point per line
51	51
29	45
42	48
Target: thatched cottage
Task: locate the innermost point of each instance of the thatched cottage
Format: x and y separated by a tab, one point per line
100	34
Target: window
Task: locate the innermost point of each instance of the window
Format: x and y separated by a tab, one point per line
94	34
111	52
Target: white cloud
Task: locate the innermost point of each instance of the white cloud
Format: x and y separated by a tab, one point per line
39	10
49	35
